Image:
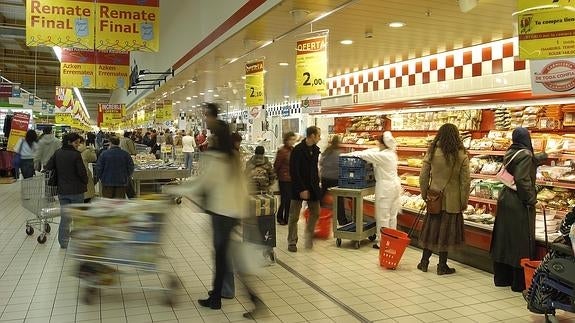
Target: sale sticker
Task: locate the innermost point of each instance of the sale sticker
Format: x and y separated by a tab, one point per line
311	65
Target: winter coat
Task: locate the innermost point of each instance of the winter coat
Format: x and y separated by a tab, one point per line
114	167
128	145
329	164
281	163
88	157
387	183
70	171
260	173
26	151
513	234
304	171
435	174
47	146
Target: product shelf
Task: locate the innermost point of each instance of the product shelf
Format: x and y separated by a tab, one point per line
409	168
355	146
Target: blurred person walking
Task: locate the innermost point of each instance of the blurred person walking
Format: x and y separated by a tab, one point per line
114	169
71	180
387	183
47	146
88	157
281	167
305	186
26	147
329	170
445	169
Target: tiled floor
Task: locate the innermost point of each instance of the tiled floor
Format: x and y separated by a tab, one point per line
37	285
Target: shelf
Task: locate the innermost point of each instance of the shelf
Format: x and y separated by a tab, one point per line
482	176
566	185
487	152
410	188
488	227
357	146
409	168
417	149
482	200
365	130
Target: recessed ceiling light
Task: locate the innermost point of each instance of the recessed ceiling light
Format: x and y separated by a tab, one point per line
188	98
396	24
195	96
283	64
190	110
216	95
227	101
178	102
286	96
202	93
346	42
210	91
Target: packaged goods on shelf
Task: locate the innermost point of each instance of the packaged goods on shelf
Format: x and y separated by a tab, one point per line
502	118
412	202
478	215
414	162
366	123
552	173
414	141
491	168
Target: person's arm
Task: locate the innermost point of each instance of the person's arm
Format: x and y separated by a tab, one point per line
90	155
369	155
100	164
130	163
424	177
280	156
295	172
464	182
51	164
81	170
522	176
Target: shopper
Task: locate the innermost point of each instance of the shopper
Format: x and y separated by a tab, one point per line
329	170
446	169
281	167
178	138
260	171
513	235
202	140
88	157
387	183
114	170
71	180
305	186
188	148
127	144
26	147
47	146
99	140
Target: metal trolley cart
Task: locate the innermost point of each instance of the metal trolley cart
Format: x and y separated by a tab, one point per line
121	237
352	231
160	176
40	199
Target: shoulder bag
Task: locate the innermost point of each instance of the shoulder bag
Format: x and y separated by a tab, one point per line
434	198
505	177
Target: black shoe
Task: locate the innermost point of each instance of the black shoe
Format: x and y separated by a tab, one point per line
423	266
375	246
292	248
210	292
211	303
445	270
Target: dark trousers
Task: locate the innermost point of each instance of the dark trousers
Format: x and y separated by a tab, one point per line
505	275
27	167
285	200
222	227
328	183
114	192
130	191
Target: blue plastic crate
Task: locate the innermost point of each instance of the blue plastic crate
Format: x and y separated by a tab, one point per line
355	172
350	161
356	183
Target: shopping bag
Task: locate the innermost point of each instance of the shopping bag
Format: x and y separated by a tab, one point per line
248	258
262	204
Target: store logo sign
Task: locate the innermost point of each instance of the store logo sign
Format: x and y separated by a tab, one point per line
553	76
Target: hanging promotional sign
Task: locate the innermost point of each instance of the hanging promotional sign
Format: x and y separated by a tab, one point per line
311	65
77	68
168	107
61	23
255	94
64	100
110	115
552	76
112	70
9	90
545	29
63	118
18	129
128	25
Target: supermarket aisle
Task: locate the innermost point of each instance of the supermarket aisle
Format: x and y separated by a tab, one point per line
325	285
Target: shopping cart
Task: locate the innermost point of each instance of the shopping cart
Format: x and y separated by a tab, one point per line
121	237
40	199
142	149
178	156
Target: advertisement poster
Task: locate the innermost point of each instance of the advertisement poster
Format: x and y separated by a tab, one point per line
255	94
546	30
110	115
61	23
64	100
20	123
112	70
77	68
63	118
311	65
128	25
553	76
311	104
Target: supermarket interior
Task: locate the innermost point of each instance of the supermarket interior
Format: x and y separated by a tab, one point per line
358	77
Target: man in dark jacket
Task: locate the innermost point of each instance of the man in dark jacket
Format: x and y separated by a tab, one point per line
72	179
305	186
114	169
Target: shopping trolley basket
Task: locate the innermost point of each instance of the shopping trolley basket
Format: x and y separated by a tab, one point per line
391	247
40	199
121	237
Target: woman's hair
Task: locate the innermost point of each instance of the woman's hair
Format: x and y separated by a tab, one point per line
333	145
69	138
287	136
449	141
31	137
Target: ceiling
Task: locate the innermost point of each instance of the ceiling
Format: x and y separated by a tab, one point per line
431	27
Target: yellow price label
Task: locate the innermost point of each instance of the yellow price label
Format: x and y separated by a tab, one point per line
311	66
255	83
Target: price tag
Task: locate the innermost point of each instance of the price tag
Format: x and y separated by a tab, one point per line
255	83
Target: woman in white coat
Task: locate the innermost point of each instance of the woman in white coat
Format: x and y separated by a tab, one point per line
387	183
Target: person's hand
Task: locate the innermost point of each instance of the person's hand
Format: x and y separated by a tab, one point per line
304	195
540	204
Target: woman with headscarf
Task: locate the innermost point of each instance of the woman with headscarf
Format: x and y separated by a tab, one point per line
387	183
513	235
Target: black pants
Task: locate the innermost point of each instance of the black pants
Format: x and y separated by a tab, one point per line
328	183
285	199
27	167
222	227
506	275
130	191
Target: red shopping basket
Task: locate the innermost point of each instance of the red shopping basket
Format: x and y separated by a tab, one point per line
529	267
323	225
391	247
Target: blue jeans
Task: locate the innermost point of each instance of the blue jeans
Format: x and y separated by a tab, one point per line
188	160
65	218
223	283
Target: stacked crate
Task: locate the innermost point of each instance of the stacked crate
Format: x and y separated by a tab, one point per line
355	172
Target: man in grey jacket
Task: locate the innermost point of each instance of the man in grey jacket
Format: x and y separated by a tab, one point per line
47	146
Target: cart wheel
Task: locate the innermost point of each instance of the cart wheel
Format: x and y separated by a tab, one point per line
42	238
29	230
178	200
47	228
356	244
338	242
372	237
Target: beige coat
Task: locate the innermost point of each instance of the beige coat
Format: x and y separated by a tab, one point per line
89	156
436	172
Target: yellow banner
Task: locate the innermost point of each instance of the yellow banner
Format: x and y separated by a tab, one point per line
311	66
167	114
61	23
547	32
77	75
63	118
255	94
112	70
128	25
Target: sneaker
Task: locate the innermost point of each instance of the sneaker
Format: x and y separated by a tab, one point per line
292	248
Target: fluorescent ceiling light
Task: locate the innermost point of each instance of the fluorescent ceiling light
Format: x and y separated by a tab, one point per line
178	102
227	101
283	64
346	42
195	96
202	93
243	77
286	96
188	98
210	91
216	95
79	95
396	24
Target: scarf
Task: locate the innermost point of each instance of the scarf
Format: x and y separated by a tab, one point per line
521	139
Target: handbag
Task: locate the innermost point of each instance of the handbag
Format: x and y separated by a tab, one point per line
505	177
434	199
